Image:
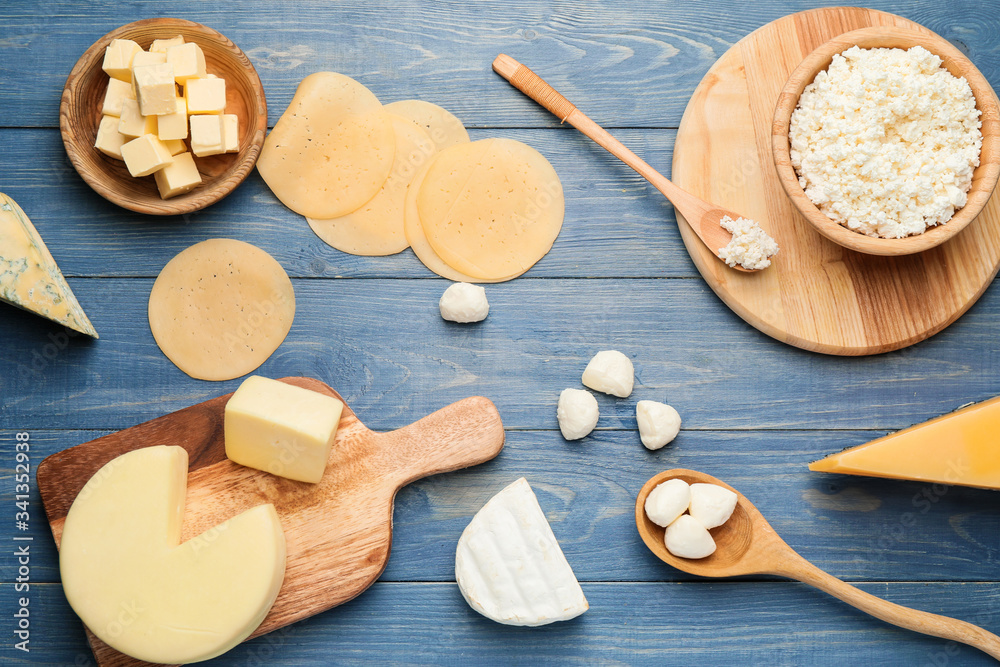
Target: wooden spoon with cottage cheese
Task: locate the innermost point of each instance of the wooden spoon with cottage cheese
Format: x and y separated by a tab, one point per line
747	544
704	218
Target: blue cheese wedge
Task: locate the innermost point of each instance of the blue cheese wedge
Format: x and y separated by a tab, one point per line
29	277
509	566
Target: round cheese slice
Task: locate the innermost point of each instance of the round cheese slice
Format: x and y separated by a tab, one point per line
331	150
443	127
377	227
491	208
220	308
418	242
141	591
509	566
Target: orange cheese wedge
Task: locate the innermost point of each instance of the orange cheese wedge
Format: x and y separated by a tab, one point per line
961	447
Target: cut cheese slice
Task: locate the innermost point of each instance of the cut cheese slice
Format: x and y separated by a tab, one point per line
220	308
443	127
509	566
29	277
491	208
377	227
418	242
331	150
961	448
139	590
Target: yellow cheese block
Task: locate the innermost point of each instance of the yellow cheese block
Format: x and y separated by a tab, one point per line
377	227
139	590
331	150
281	429
961	448
29	277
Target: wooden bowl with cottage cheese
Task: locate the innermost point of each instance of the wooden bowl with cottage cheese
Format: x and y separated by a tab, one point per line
867	180
80	116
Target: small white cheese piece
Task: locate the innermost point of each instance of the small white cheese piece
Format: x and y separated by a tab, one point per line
178	177
610	372
118	91
658	423
205	95
118	59
711	504
161	45
509	566
687	538
668	501
173	125
231	132
577	413
280	428
750	246
132	123
109	140
154	89
175	146
143	58
146	594
145	155
464	302
206	135
188	61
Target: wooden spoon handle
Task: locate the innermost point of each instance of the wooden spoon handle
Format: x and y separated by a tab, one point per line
890	612
536	88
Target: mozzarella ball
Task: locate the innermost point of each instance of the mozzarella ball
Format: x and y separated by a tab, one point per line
711	504
658	423
610	372
668	501
687	538
577	413
464	302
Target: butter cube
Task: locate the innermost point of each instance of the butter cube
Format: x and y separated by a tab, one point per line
188	61
205	95
173	125
109	139
154	88
143	58
175	146
161	45
206	135
118	91
282	429
178	177
145	155
118	59
133	123
231	132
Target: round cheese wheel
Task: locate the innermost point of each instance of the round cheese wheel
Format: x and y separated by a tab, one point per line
220	308
418	242
491	208
444	128
331	150
377	227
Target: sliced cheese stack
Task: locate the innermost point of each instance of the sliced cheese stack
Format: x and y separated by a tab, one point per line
155	101
29	277
509	566
141	591
961	447
374	179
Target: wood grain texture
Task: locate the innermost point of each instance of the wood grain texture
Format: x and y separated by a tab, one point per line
817	295
338	531
80	114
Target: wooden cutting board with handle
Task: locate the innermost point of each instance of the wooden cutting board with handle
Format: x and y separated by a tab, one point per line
338	532
816	295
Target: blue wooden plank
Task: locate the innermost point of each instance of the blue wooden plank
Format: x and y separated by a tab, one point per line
705	623
627	64
856	528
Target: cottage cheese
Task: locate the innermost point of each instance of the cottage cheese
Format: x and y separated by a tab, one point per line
750	247
885	141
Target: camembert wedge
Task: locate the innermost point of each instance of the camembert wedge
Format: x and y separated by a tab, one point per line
961	447
29	277
509	566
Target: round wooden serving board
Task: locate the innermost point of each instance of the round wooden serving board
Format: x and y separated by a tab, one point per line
816	295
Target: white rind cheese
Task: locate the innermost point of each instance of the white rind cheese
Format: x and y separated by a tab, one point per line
29	277
509	566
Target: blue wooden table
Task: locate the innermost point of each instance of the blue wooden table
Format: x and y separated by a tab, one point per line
755	411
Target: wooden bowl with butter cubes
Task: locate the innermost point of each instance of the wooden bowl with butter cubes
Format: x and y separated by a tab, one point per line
869	153
163	76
